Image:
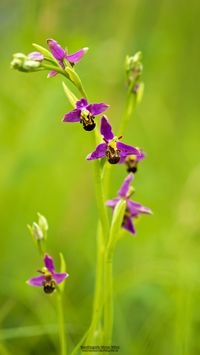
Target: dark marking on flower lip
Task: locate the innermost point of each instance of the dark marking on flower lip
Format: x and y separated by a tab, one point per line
88	123
49	286
131	164
113	155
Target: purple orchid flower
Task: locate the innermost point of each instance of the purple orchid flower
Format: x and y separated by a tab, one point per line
131	161
60	54
49	278
112	148
85	113
133	209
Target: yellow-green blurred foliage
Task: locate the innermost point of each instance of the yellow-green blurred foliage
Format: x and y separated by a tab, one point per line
43	168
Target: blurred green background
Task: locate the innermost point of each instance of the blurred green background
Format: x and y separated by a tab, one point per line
43	169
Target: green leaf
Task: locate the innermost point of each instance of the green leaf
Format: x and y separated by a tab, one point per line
47	54
71	97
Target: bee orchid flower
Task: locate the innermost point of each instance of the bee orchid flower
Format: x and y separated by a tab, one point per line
60	55
49	277
133	209
85	113
112	149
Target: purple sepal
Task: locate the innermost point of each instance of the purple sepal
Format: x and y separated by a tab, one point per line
112	203
36	281
36	56
81	104
129	226
125	186
98	153
106	129
52	73
77	56
136	208
56	50
140	156
59	277
127	149
48	262
72	116
96	109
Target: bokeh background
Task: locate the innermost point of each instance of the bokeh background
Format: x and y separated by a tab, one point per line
43	169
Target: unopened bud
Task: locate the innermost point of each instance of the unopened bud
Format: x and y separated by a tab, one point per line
24	63
42	222
36	231
134	68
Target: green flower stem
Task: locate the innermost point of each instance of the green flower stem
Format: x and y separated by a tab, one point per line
108	270
130	107
100	194
102	236
95	327
66	75
55	68
63	344
108	306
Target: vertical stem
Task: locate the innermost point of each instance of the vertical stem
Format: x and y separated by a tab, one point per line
131	103
63	345
108	306
99	294
102	235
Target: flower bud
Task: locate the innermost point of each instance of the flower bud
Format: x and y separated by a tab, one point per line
134	68
43	224
25	63
36	231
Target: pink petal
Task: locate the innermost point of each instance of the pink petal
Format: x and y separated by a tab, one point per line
96	109
112	203
127	149
106	129
48	261
129	226
36	281
98	153
72	116
75	57
125	186
59	277
52	73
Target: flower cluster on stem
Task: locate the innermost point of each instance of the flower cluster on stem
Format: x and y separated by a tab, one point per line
56	60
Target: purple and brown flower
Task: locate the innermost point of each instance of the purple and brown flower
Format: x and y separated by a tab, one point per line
49	278
61	55
133	209
112	148
85	113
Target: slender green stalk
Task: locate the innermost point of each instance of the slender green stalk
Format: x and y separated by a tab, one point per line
108	268
130	107
57	69
102	235
108	306
95	327
63	344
